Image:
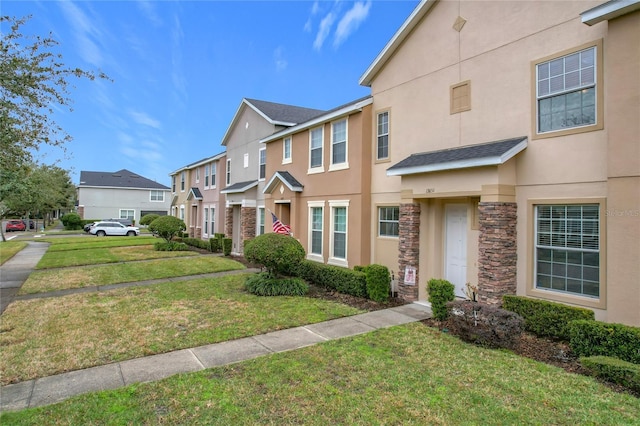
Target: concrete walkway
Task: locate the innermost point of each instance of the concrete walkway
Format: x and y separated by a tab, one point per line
52	389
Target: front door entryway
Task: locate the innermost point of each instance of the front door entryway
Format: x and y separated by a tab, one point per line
455	259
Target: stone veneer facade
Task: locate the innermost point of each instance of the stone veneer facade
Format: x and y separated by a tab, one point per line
228	222
247	225
497	255
409	249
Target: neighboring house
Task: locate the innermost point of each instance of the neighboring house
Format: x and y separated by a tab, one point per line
246	162
122	194
200	203
318	181
506	135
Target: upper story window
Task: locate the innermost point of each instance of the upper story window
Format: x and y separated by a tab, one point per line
157	195
214	171
197	174
339	142
382	145
206	176
173	183
567	92
315	147
228	172
262	160
286	150
183	177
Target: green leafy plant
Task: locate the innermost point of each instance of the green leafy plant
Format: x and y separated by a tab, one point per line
71	221
614	370
589	338
148	218
263	284
440	292
170	246
227	244
214	245
167	227
378	281
343	280
280	254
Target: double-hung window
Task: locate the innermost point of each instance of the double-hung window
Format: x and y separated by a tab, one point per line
261	220
286	150
206	176
157	195
197	174
213	220
228	172
339	143
214	167
382	147
183	177
338	236
388	221
567	249
206	221
567	92
173	184
262	160
127	214
315	148
316	230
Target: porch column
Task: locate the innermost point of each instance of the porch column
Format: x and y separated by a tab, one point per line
409	249
497	255
247	225
228	222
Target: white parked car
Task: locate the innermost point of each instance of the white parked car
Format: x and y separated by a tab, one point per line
102	229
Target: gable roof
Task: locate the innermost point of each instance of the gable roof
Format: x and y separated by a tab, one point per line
239	187
285	177
387	52
487	154
120	179
274	113
199	162
194	193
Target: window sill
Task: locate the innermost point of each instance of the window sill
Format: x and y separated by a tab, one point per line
286	161
315	170
336	167
315	257
568	298
338	262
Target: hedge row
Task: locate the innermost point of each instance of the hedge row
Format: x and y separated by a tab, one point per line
590	338
215	245
378	281
615	370
343	280
544	318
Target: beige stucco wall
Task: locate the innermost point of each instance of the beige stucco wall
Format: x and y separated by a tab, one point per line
351	185
496	51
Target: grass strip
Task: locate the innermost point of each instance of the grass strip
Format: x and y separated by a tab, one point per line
87	276
8	249
41	337
83	243
409	375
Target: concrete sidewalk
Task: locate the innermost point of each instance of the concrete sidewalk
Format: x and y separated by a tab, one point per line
15	271
49	390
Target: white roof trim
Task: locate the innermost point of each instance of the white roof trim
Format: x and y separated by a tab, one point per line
463	164
238	190
397	39
609	10
318	120
258	111
199	163
270	186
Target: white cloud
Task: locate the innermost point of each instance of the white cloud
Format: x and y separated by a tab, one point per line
149	11
85	31
315	8
351	21
144	119
324	30
278	57
177	75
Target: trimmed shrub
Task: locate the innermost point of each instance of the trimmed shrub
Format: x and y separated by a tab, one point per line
546	319
589	338
280	254
214	245
614	370
343	280
440	292
378	281
485	325
71	221
170	246
196	242
148	218
263	284
167	227
227	244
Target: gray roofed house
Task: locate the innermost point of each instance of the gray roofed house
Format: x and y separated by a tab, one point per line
122	194
283	113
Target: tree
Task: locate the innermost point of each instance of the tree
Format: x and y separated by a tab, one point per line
33	81
167	227
148	218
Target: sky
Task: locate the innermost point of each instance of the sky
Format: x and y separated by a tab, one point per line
179	70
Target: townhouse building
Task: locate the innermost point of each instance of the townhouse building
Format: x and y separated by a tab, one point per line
505	143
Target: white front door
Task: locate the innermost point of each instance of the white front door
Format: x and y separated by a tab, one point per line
455	262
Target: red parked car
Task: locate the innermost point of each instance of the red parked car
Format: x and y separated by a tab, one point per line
15	225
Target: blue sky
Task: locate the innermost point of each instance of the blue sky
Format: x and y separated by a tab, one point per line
181	68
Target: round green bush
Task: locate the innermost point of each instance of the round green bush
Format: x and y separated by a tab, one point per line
440	292
264	284
280	254
148	218
378	282
72	221
167	227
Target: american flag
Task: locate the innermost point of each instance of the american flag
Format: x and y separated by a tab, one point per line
279	227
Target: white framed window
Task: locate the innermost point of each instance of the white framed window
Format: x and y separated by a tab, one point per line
388	221
339	147
182	212
567	249
566	91
213	220
316	137
206	176
316	231
261	219
183	177
228	172
197	174
286	150
339	233
246	160
382	144
173	184
127	214
214	171
262	163
205	227
156	195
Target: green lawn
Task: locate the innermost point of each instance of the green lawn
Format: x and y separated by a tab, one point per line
405	375
9	248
